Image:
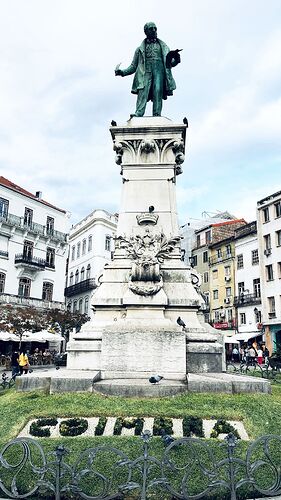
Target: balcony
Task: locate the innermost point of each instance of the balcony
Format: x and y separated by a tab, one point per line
8	298
81	287
224	256
30	261
246	299
272	315
33	227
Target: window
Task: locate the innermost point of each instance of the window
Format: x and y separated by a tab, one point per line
228	250
269	272
208	237
205	256
76	276
50	257
242	319
69	306
277	209
50	225
4	208
47	291
24	287
215	274
207	298
206	277
257	287
228	291
255	257
88	272
271	306
265	214
267	242
75	306
194	260
229	314
215	294
90	243
78	250
84	244
241	287
219	253
227	271
278	238
82	274
279	269
257	315
2	282
73	252
217	316
86	305
240	263
27	250
71	279
28	216
80	305
198	242
107	243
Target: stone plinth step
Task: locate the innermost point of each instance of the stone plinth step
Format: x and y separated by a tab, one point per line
139	387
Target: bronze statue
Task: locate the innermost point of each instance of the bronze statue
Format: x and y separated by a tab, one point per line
152	65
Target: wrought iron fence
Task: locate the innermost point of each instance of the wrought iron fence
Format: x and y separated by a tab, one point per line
188	469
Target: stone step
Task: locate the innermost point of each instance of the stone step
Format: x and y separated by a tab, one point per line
139	387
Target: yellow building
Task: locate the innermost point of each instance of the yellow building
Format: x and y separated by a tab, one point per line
222	283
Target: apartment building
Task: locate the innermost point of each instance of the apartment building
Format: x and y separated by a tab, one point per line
269	239
91	243
247	300
33	248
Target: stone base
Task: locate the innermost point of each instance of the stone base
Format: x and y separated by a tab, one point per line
140	348
203	357
63	380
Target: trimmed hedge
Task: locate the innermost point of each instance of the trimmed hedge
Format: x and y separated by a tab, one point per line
39	429
223	427
101	426
162	426
73	427
128	423
192	426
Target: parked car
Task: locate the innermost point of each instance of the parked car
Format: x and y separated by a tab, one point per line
60	359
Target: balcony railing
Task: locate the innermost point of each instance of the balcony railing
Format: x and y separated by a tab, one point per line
8	298
81	287
33	227
4	254
26	260
224	256
245	299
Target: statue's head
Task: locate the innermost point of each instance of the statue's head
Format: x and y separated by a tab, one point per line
150	30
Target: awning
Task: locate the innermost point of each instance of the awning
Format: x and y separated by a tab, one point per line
235	339
42	336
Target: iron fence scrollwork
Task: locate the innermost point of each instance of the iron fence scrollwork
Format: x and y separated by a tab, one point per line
188	469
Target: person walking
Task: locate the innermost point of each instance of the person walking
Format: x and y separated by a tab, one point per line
23	362
235	354
15	363
260	355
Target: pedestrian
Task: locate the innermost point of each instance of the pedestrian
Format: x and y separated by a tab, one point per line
252	355
235	354
260	355
15	363
23	362
265	354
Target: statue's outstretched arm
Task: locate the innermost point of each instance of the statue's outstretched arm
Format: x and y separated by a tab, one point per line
132	68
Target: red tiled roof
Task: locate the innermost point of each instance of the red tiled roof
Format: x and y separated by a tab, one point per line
234	221
10	185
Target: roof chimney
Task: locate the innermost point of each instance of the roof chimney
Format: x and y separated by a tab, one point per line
38	194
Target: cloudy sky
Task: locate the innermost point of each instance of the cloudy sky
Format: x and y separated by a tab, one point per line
58	95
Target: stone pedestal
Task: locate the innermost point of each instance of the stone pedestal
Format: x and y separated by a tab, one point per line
146	287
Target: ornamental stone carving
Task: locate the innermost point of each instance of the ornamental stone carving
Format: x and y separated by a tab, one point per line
147	252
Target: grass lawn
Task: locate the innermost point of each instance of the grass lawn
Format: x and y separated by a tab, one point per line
260	413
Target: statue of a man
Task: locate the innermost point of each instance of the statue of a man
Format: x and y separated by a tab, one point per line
152	65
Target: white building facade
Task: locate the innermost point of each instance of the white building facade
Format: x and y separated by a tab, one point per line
33	248
247	300
91	243
269	235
